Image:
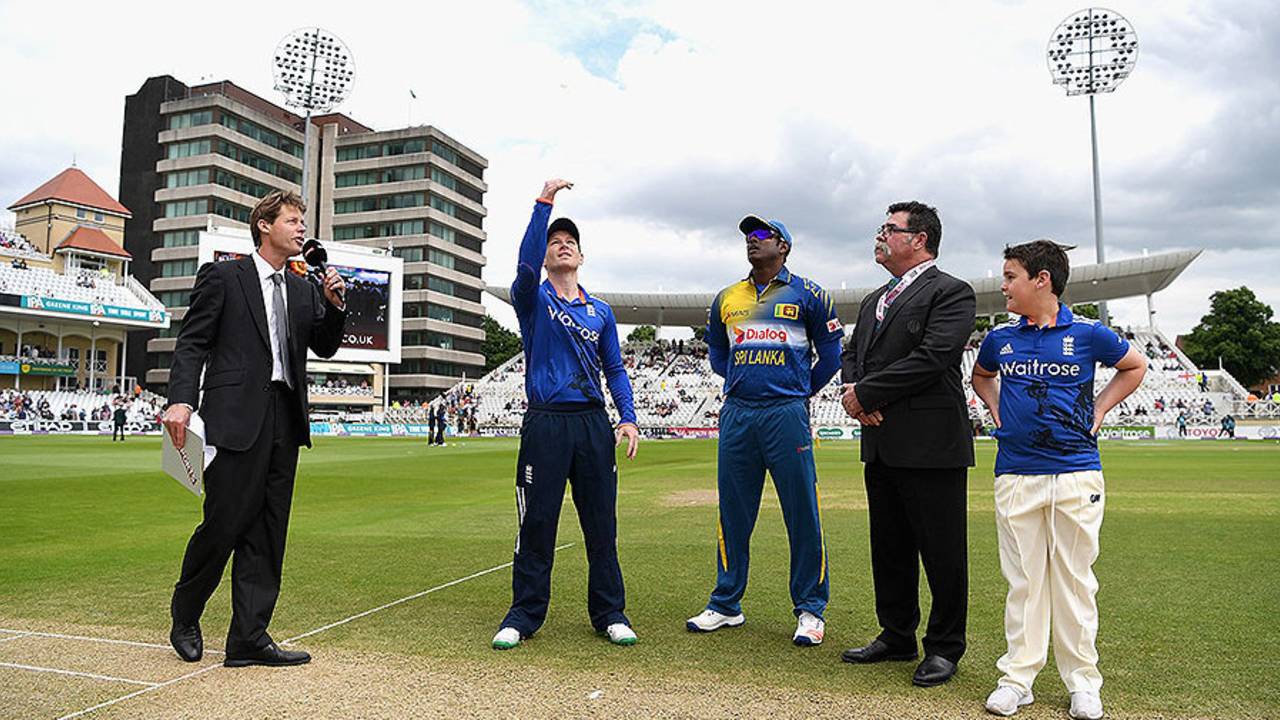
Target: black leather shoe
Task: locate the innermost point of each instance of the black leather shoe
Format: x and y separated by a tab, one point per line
186	640
934	670
269	655
876	651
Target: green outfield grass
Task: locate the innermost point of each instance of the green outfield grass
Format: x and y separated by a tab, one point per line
91	534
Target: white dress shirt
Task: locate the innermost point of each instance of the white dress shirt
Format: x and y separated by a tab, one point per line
265	272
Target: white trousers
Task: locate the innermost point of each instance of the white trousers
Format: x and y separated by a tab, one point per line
1048	527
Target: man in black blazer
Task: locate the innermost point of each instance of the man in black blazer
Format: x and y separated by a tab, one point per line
901	371
248	328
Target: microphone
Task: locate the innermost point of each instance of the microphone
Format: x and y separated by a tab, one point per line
317	257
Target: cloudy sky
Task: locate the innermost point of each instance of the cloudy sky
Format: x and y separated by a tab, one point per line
675	118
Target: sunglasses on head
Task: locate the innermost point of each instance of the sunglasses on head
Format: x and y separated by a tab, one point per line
761	234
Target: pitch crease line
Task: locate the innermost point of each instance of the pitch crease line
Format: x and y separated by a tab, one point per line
407	598
86	638
94	676
20	634
136	693
330	626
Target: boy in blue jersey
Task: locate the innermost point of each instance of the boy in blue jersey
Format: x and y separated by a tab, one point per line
761	335
569	339
1035	375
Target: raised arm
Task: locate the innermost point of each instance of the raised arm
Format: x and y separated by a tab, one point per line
533	249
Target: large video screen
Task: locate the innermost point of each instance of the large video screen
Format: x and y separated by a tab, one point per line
374	287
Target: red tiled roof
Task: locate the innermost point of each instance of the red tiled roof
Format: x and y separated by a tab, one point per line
93	240
73	186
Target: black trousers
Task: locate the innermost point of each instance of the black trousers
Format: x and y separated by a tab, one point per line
246	516
919	515
117	430
559	444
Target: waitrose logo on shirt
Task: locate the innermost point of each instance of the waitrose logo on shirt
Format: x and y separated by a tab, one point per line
1036	367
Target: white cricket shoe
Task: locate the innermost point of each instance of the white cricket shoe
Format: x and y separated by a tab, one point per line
507	638
1085	705
709	620
621	634
809	629
1006	699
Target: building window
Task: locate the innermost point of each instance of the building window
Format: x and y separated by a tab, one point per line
444	151
180	238
188	149
190	119
178	268
97	217
442	259
259	162
231	210
444	206
444	178
259	133
187	178
377	177
396	147
408	254
184	208
174	298
440	285
243	185
81	213
379	202
360	232
440	312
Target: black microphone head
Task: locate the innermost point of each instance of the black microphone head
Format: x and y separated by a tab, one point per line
314	253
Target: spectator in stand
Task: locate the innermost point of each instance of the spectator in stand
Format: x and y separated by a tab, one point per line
1207	408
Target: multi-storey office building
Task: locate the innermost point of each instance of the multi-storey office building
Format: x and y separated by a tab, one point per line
201	156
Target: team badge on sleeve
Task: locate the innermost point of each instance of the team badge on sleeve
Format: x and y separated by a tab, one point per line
833	324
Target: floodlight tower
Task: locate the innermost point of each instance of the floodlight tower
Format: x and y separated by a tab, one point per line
1092	52
314	70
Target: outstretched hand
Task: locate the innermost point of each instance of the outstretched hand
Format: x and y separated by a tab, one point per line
553	186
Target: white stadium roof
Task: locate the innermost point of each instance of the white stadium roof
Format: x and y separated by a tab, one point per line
1089	283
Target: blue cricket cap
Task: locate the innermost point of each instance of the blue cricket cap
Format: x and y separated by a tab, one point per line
751	223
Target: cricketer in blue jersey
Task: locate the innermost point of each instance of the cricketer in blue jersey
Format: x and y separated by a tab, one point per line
1035	375
762	334
570	338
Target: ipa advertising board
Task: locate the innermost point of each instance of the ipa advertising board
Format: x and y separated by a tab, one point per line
374	279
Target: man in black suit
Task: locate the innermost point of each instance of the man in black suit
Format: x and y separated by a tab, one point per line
248	328
901	371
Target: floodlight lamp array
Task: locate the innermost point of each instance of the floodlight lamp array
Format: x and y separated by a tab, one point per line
1092	51
313	69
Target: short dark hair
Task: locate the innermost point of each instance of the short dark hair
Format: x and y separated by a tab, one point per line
268	208
1040	255
923	218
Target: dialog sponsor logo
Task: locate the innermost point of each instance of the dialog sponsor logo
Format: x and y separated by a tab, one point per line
759	334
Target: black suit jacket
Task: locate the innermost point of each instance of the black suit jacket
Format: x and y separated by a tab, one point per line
225	335
909	370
